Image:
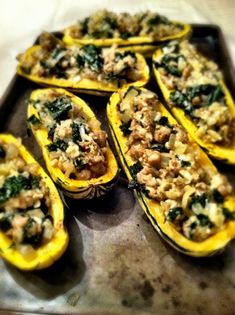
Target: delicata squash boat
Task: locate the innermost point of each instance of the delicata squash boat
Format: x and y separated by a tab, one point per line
187	201
198	98
32	234
140	32
74	147
89	69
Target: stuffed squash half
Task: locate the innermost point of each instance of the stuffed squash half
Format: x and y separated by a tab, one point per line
189	203
74	147
88	69
197	96
140	32
32	234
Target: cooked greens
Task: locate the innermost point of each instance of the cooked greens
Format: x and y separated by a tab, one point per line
58	144
59	107
207	94
2	152
13	185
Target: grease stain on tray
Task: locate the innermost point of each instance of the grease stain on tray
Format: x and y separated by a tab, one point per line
73	299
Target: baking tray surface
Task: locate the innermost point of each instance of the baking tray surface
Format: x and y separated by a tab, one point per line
116	263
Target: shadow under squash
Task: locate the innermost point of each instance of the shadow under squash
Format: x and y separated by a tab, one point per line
59	278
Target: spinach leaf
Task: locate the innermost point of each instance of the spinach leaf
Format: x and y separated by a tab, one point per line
76	131
216	196
213	92
164	122
203	220
229	215
126	35
84	26
158	19
92	56
201	199
183	100
183	162
180	100
178	97
192	227
215	95
159	147
5	223
170	63
79	163
192	92
132	88
33	102
135	168
31	235
33	120
2	152
106	28
111	22
125	128
58	144
133	184
44	206
35	181
80	61
174	213
51	131
59	108
15	184
56	52
118	75
26	70
55	70
121	55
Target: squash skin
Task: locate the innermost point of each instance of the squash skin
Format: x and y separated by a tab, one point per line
219	152
84	85
144	45
212	245
47	254
77	189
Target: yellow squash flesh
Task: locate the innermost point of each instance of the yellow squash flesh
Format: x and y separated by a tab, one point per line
141	44
47	254
224	153
210	246
78	189
84	85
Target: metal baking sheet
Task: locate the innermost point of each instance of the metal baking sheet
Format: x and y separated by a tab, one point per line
116	263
